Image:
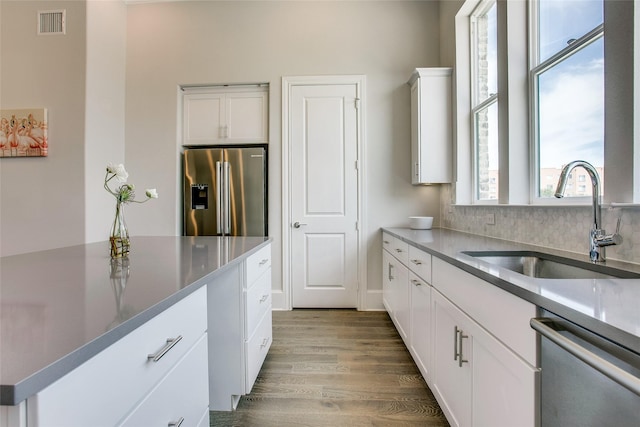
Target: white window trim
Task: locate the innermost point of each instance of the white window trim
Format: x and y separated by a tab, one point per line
513	118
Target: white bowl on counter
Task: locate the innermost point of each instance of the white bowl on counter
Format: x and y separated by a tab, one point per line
420	222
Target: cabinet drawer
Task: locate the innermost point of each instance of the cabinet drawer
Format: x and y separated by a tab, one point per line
257	349
420	263
258	302
122	374
182	394
387	241
257	264
397	248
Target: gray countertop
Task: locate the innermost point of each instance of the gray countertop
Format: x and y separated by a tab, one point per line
609	307
60	307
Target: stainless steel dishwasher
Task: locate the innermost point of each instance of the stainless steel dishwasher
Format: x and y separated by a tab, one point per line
586	380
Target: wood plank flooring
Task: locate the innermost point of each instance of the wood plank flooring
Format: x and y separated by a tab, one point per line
335	368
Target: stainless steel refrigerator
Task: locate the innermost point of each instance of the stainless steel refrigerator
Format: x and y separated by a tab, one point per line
225	191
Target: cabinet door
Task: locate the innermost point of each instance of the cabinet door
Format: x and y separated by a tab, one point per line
400	301
387	277
203	118
247	117
420	297
451	378
415	132
493	387
504	386
431	126
395	293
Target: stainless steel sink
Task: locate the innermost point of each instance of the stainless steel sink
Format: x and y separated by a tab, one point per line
546	266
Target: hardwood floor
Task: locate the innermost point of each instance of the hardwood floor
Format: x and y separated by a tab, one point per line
335	368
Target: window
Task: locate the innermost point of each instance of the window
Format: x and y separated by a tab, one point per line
550	80
567	87
484	48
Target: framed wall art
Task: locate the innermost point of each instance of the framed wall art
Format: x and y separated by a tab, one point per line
23	132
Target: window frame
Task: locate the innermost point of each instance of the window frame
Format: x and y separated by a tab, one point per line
478	105
622	108
537	68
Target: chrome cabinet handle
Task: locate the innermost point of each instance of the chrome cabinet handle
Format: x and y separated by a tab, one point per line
386	242
264	261
298	224
265	341
416	261
264	298
416	282
607	368
461	360
176	423
457	346
390	274
455	342
399	250
171	342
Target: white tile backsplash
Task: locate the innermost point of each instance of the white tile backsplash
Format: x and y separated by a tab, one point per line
565	227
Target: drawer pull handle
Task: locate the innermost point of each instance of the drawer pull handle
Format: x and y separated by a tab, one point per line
176	423
264	261
459	336
264	298
416	282
168	346
386	242
399	250
416	261
265	341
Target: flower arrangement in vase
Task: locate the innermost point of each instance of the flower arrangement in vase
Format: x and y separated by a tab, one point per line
125	193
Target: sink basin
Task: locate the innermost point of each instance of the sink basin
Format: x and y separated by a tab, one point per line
546	266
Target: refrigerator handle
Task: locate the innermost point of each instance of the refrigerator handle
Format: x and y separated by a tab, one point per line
218	203
226	195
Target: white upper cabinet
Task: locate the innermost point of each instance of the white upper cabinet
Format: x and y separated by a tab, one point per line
431	126
225	116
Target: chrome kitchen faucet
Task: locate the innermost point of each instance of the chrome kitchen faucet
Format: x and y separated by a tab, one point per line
598	240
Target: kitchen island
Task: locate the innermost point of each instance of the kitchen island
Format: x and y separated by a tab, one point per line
61	308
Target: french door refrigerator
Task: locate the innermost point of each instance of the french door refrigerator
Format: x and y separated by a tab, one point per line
225	191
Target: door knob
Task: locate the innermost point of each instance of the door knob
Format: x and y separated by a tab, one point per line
298	224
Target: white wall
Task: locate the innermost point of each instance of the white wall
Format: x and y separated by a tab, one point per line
42	202
169	44
105	113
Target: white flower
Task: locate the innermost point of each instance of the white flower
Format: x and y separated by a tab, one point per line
119	171
125	193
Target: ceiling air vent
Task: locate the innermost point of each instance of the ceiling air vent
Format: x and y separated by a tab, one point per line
51	22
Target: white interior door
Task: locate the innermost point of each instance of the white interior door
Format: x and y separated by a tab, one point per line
323	197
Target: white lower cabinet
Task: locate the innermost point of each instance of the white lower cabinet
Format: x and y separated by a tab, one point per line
122	379
387	278
420	335
470	339
452	361
400	300
241	331
477	380
395	289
